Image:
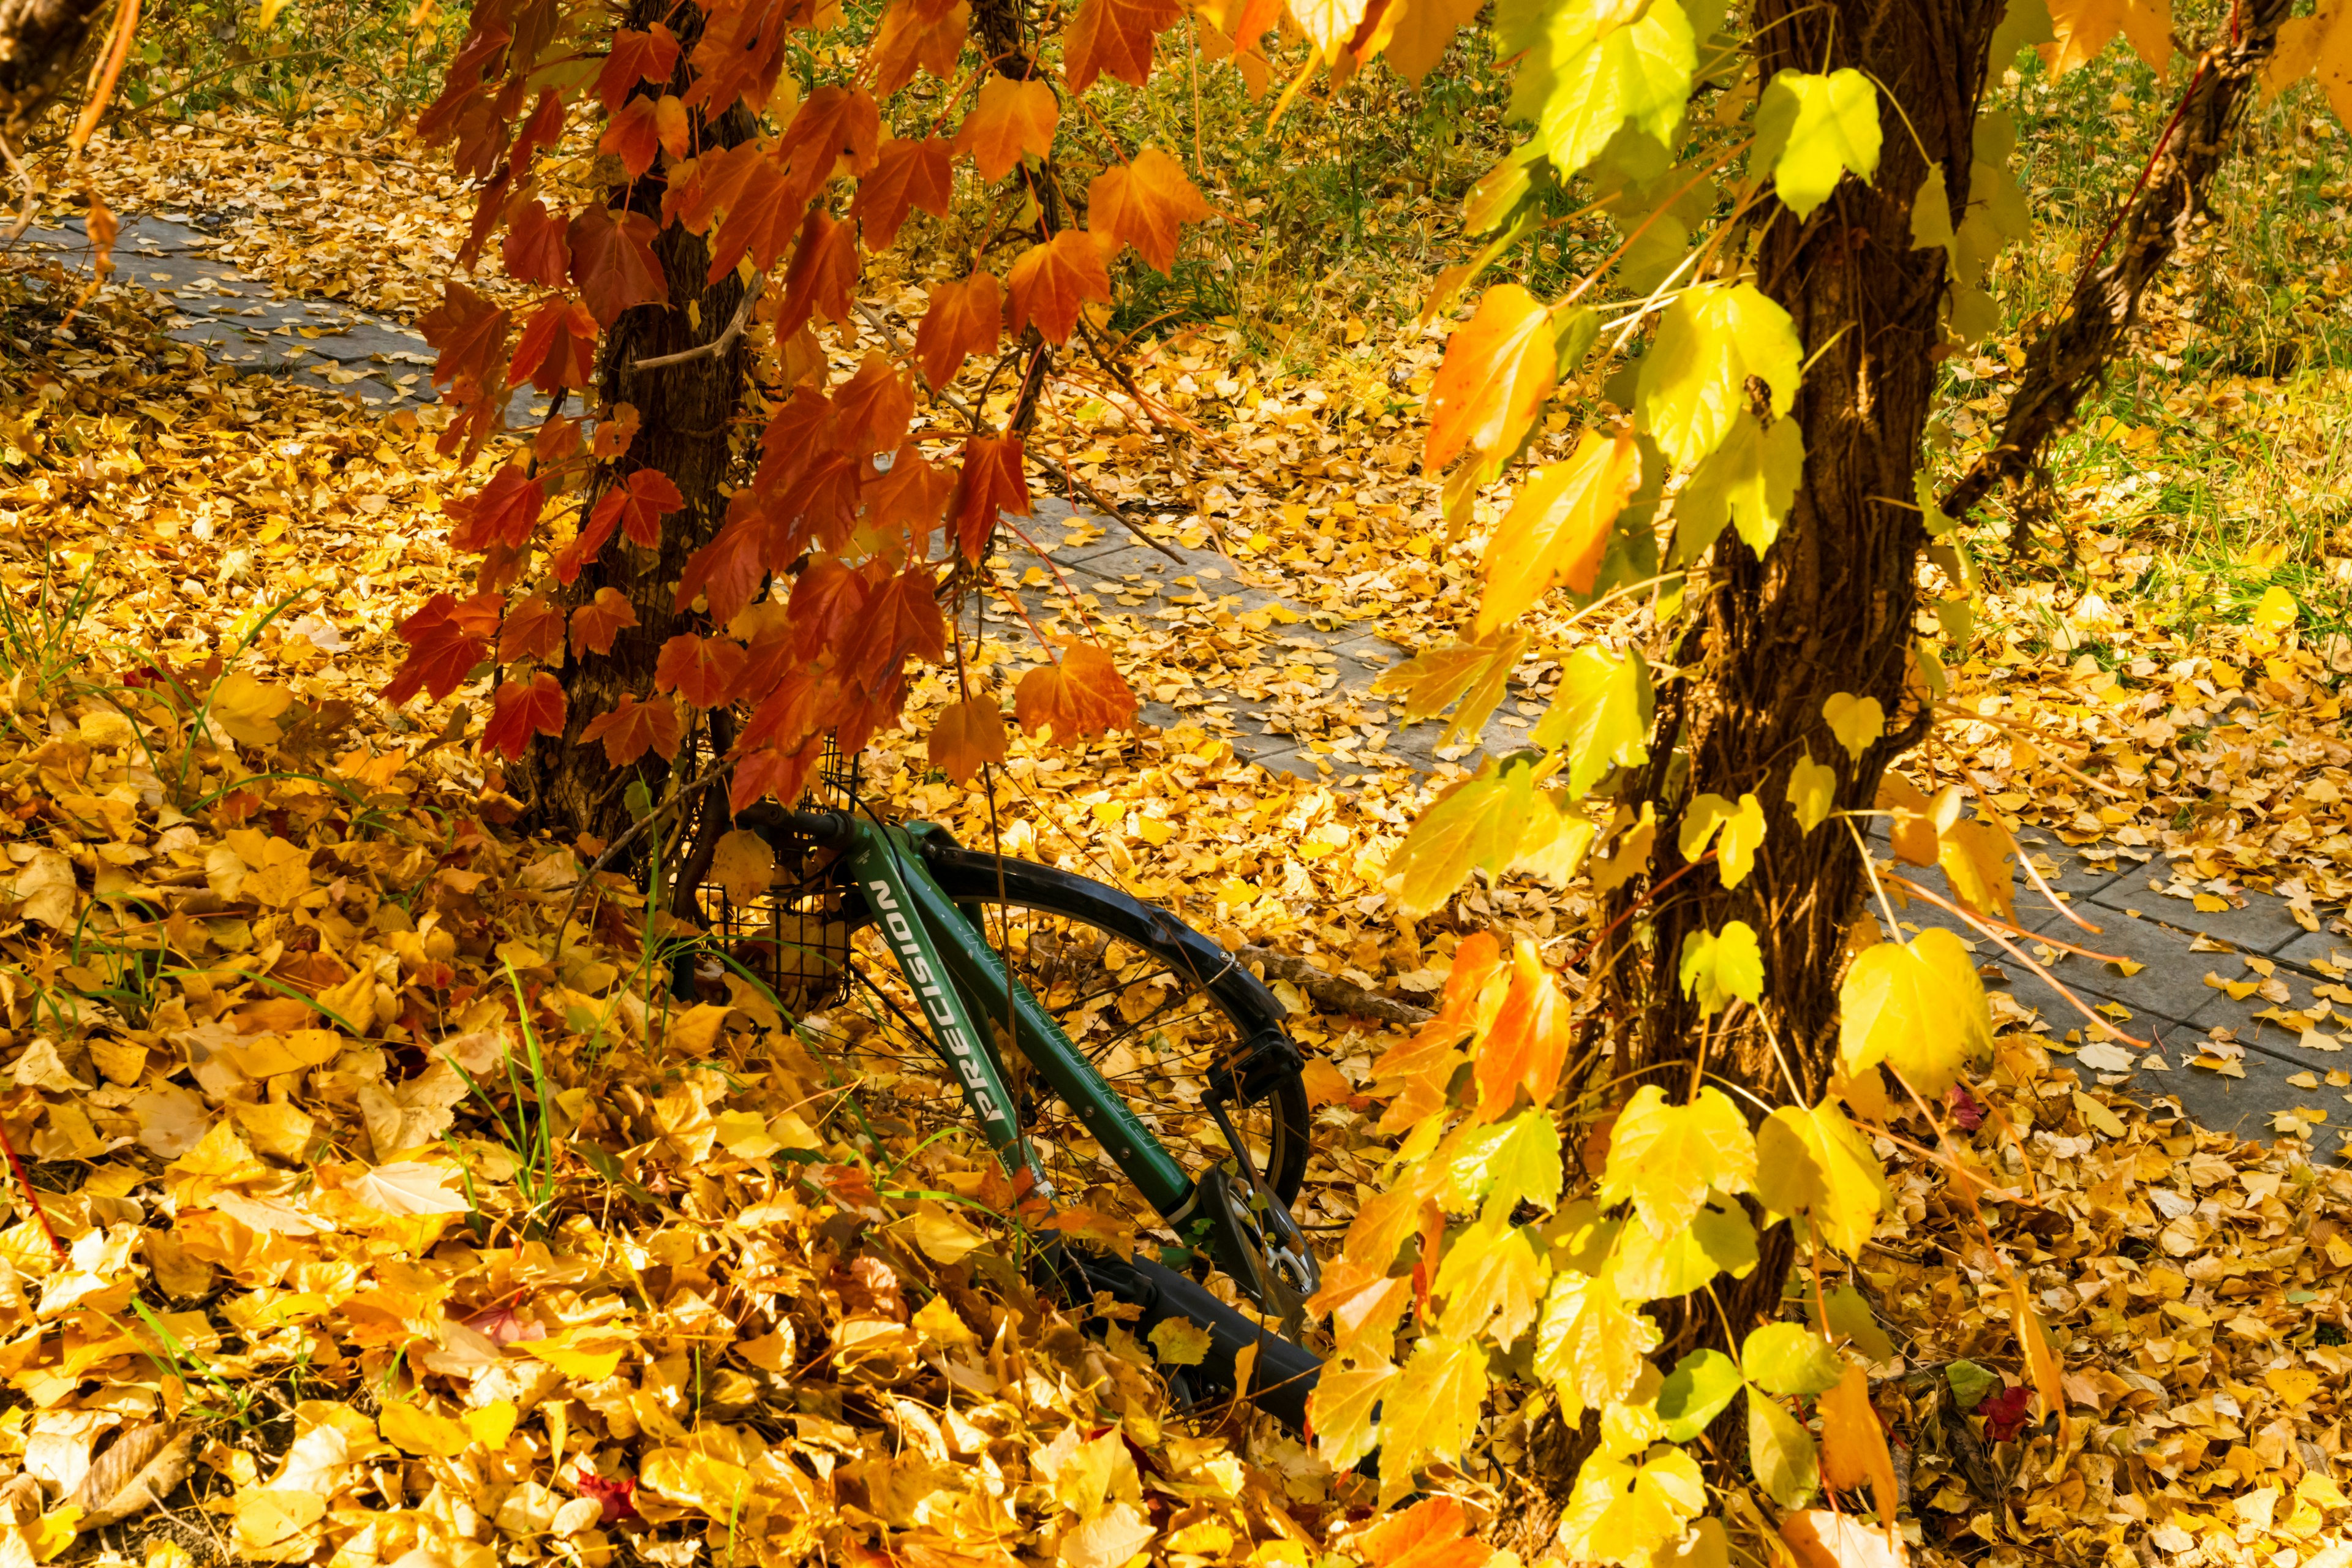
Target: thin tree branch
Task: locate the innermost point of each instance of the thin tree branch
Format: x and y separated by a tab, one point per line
718	346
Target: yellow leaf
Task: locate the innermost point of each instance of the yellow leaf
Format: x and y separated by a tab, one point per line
2320	43
1856	721
567	1353
1350	1389
1621	1511
2276	612
1976	856
945	1238
744	864
1815	1163
492	1424
1853	1443
1436	1407
248	709
1179	1341
1666	1158
2084	27
413	1429
2040	1361
1557	528
1916	1005
1813	792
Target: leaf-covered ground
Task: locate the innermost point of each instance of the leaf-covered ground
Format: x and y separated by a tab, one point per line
403	1222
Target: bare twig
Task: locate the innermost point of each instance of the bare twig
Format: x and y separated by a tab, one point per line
1329	991
718	346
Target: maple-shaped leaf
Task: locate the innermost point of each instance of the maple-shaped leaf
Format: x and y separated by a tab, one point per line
1329	24
1529	1042
534	249
749	184
1666	1157
1051	283
872	409
726	572
1918	1005
1499	369
823	272
636	56
612	261
834	124
504	511
1434	1408
632	137
1347	1393
632	729
1412	36
2318	44
595	624
639	505
2084	27
901	620
1143	203
519	709
532	629
1012	118
557	348
469	331
672	125
442	651
966	737
918	32
992	481
615	428
771	772
1430	1534
829	599
1557	528
906	173
701	670
962	319
1081	696
909	498
1114	37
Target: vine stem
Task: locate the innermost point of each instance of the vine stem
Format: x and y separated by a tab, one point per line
32	1198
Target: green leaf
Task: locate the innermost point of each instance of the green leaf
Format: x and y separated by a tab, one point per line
1750	480
1856	721
1693	385
1918	1006
1700	1388
1814	1162
1601	716
1813	792
1666	1158
1850	1315
1782	1453
2023	24
1491	1273
1789	1359
1721	1240
1576	331
1721	966
1622	1513
1589	1345
1970	1382
1478	822
1506	1164
1813	130
1595	78
1503	190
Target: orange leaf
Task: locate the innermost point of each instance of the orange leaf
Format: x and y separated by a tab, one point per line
917	32
557	348
2040	1361
990	482
632	137
824	271
1143	203
700	670
827	602
520	709
534	249
612	261
1853	1443
964	318
1470	999
834	123
1413	1073
1557	528
872	407
1083	695
910	497
1430	1534
671	124
1824	1540
470	332
636	56
968	735
1051	283
1497	372
902	619
594	625
1113	37
1528	1043
633	727
504	511
637	506
909	174
532	629
1010	118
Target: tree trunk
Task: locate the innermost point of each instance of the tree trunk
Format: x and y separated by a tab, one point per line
685	412
1828	609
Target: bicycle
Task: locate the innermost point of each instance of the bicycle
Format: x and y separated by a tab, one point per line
1042	994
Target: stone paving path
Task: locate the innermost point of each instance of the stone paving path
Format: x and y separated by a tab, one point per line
1306	706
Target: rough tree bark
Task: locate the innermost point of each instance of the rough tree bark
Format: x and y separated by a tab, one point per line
686	412
39	40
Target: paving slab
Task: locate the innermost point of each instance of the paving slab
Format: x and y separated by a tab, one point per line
2262	924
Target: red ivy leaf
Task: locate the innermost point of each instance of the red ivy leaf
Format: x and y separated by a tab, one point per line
504	511
557	348
639	505
636	57
906	173
1051	283
962	319
613	262
470	332
990	482
595	624
441	652
902	619
1113	37
633	137
543	129
532	629
825	603
703	671
728	570
824	271
534	249
633	727
871	409
520	709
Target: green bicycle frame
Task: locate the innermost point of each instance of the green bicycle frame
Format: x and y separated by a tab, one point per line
961	984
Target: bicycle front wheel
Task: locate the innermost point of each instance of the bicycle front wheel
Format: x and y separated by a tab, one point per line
1158	1010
